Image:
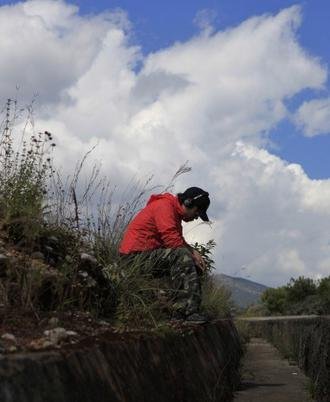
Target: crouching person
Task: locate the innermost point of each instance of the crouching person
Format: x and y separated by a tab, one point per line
155	234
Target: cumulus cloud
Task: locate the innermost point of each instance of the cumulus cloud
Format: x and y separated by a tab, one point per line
46	46
211	100
313	117
276	220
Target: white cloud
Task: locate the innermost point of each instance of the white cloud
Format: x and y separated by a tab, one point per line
211	100
276	222
204	20
46	47
313	117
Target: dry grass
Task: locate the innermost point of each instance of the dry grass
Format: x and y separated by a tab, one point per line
38	204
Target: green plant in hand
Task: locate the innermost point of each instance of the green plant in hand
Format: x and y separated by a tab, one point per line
206	250
216	298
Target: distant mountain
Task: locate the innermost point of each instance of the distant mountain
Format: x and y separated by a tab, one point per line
243	291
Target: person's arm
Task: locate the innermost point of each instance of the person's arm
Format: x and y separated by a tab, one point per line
198	258
171	232
168	227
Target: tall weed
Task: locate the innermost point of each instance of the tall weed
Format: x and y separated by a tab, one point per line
24	172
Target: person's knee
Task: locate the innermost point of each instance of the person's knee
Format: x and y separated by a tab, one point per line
183	256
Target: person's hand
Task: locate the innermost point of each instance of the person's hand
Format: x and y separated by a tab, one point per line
199	260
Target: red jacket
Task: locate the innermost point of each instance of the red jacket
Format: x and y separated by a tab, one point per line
157	225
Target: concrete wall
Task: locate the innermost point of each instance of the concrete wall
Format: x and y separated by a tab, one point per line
305	339
197	364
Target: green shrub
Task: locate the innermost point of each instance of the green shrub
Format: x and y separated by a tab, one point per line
299	296
323	289
275	300
298	289
323	292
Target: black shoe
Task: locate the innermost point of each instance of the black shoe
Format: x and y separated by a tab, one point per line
197	318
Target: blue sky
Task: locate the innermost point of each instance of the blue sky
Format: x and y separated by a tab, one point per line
158	24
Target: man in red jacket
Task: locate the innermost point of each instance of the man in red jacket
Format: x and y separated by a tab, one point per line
156	234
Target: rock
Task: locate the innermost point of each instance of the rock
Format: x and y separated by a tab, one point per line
104	323
83	250
83	274
38	255
89	259
86	279
9	337
47	344
71	333
56	335
95	270
12	349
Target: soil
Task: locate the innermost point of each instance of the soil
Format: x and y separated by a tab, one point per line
28	326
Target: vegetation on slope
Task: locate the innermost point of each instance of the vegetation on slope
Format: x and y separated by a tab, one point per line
59	241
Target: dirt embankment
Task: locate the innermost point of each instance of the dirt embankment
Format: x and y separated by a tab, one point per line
196	363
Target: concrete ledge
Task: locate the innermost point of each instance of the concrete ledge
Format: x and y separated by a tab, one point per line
196	364
305	339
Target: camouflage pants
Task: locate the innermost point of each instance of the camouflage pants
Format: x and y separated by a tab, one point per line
177	265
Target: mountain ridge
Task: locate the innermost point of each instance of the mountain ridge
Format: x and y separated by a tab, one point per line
244	292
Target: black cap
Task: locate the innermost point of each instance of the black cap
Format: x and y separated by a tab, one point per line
198	198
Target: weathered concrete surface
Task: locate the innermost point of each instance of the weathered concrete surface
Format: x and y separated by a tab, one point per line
267	377
305	339
198	364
